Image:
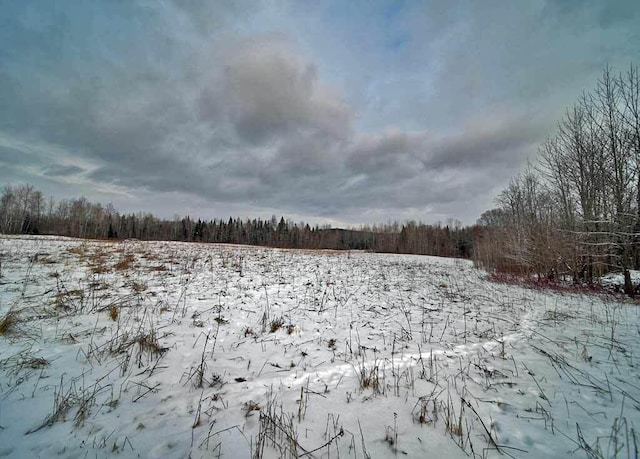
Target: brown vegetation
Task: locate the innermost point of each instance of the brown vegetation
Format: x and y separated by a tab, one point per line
576	214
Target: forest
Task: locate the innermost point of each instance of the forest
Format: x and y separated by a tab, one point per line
24	210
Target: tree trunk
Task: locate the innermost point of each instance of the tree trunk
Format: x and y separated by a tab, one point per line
628	286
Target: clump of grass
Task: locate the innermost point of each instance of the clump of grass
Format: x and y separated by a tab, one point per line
9	322
391	433
79	250
84	399
99	268
150	256
278	433
249	407
149	343
23	361
369	377
453	421
198	374
143	346
125	263
425	410
139	287
276	324
46	260
70	299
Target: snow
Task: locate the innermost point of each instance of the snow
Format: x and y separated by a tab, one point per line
617	279
164	349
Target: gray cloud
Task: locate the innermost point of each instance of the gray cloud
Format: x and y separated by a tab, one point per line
274	93
350	113
256	122
486	144
393	150
58	170
11	155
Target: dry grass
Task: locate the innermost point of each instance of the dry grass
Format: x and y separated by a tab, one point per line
138	287
80	250
125	263
46	260
9	322
151	256
70	299
23	362
158	268
99	268
370	377
276	324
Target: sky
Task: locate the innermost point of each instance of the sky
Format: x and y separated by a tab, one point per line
338	112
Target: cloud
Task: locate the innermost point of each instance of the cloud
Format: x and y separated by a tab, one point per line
58	170
252	128
352	112
10	155
393	157
274	93
483	144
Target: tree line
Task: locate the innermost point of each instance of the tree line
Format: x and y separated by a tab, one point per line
575	211
24	210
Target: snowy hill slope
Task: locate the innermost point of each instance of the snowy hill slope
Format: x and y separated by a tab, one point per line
160	349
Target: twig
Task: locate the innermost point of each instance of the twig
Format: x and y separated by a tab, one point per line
338	435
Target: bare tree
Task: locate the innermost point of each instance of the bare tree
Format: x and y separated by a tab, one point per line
630	93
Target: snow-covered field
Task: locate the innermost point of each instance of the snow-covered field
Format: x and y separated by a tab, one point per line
161	349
